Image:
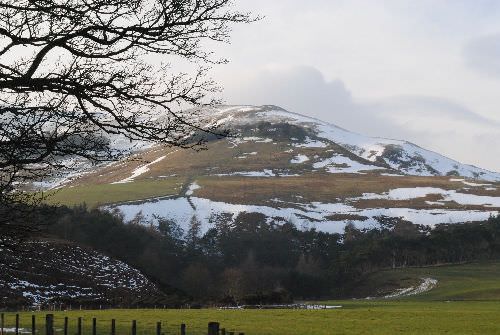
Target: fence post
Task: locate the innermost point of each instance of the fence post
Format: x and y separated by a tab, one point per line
17	324
2	322
158	328
213	328
65	329
94	326
134	327
113	327
33	325
223	331
183	329
79	327
49	324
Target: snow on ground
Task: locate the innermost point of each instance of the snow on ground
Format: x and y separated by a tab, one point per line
139	171
74	262
264	173
342	164
20	330
309	143
422	192
299	159
313	215
426	285
469	183
193	187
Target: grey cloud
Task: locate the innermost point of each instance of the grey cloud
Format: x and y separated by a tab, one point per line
483	55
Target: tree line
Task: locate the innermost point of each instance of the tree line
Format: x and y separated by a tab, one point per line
249	260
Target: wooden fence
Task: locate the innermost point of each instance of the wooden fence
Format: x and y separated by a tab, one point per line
213	327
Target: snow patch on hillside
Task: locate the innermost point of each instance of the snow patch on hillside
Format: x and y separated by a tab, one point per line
312	215
342	164
426	285
422	192
299	159
139	171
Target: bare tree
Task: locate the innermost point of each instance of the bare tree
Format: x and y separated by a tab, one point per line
73	72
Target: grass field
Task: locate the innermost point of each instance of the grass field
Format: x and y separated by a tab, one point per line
466	301
95	195
354	318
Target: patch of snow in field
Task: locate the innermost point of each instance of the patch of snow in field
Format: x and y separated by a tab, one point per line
193	187
426	285
21	330
435	203
468	183
422	192
342	164
264	173
299	159
139	171
309	143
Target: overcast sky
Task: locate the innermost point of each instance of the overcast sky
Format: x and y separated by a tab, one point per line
427	71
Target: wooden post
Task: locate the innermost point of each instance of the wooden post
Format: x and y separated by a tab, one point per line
17	324
49	324
158	328
2	323
33	325
65	329
134	327
213	328
113	327
223	331
183	329
94	326
79	327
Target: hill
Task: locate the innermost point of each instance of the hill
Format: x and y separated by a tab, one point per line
55	272
289	168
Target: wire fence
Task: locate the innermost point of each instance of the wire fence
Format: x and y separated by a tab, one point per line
50	324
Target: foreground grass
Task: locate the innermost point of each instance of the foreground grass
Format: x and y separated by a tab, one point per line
102	194
377	317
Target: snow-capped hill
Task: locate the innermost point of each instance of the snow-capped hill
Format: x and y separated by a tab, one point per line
403	156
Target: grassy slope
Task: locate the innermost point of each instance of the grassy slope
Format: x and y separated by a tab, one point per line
477	281
95	195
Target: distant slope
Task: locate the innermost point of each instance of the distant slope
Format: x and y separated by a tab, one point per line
41	273
475	281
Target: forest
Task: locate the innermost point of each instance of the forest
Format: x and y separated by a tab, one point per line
249	260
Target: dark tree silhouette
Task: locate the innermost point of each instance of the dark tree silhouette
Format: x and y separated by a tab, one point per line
74	71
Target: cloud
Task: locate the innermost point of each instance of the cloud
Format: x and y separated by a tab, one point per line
435	123
483	55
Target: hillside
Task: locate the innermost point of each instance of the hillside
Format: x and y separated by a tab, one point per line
51	272
290	168
474	281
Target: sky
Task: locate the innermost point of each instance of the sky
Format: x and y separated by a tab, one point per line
426	71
